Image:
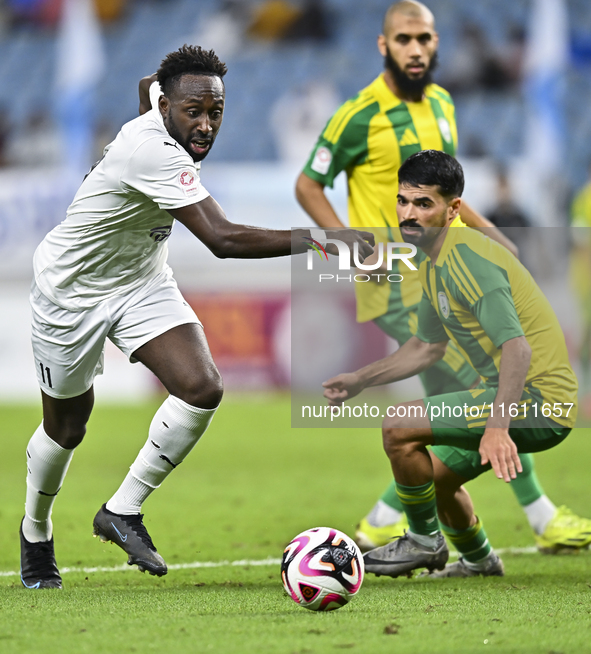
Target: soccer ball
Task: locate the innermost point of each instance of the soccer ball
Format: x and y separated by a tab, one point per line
322	569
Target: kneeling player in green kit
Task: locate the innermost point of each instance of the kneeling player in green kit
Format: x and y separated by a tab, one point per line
476	294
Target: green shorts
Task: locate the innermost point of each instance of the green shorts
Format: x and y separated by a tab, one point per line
458	421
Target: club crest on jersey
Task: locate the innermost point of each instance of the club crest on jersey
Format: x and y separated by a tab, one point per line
443	304
160	234
321	161
445	129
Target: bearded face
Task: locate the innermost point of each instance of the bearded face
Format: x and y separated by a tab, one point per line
411	84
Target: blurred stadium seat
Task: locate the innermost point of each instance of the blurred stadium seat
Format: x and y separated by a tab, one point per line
259	74
490	121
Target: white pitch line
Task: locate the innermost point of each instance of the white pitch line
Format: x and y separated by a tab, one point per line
239	563
174	566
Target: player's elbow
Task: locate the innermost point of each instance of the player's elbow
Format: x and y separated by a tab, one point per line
222	247
219	250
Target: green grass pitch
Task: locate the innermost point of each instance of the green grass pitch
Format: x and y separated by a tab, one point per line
244	492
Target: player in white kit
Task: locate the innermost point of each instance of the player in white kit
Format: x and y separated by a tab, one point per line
102	273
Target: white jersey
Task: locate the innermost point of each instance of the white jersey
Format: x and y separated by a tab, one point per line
113	239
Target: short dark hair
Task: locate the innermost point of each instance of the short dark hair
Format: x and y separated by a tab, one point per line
433	168
190	59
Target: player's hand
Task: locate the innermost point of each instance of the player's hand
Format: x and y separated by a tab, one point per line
144	91
364	240
497	448
342	387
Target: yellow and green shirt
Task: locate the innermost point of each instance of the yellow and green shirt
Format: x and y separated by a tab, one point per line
369	137
479	296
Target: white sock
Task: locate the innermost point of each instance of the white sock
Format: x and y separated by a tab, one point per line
382	515
539	514
175	430
47	464
426	541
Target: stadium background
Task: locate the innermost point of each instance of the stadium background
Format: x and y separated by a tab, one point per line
67	83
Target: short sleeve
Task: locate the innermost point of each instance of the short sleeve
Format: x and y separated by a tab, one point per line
496	313
430	329
340	147
163	172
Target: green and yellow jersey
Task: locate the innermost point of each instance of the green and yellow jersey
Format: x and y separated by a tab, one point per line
479	296
369	137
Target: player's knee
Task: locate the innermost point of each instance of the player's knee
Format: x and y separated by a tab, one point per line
391	440
398	440
393	421
204	390
391	433
67	433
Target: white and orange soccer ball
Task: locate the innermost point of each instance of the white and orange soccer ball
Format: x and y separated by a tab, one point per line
322	569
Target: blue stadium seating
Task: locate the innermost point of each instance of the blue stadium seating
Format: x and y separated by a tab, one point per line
259	75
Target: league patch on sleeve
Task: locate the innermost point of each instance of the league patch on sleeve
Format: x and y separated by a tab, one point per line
189	182
322	160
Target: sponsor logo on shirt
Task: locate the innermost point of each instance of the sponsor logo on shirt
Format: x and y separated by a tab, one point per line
443	304
321	161
445	129
189	182
160	234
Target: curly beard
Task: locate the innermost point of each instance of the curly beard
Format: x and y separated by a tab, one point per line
408	86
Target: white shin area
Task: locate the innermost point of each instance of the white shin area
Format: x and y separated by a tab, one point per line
47	464
175	430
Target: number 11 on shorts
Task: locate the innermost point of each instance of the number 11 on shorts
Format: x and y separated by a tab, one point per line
45	375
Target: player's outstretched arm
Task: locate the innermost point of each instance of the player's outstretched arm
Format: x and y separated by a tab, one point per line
207	221
310	194
496	445
413	357
144	91
473	219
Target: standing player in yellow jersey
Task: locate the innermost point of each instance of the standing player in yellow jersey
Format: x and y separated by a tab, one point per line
400	113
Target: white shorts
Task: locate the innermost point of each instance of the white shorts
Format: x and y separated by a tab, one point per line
68	346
